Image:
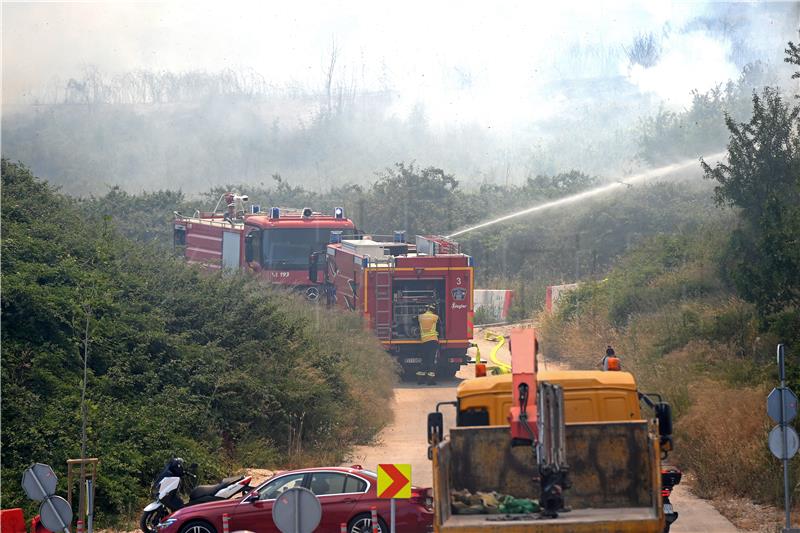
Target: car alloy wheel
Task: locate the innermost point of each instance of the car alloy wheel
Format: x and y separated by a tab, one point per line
364	525
198	527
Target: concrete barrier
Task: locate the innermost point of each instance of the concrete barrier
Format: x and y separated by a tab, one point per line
555	293
492	305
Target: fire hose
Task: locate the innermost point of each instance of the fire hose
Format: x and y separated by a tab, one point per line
500	340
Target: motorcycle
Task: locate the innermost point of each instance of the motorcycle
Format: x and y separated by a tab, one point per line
166	492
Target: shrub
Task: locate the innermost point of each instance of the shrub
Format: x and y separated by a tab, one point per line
218	369
722	439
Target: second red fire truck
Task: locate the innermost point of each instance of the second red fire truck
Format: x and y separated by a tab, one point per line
275	244
391	282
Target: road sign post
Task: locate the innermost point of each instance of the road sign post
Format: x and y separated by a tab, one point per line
39	483
394	482
783	439
56	514
297	511
89	506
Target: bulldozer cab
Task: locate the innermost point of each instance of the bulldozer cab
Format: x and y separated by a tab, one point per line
589	396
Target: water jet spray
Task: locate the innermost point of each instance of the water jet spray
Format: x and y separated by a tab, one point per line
627	183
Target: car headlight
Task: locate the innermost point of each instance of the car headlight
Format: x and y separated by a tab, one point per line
166	523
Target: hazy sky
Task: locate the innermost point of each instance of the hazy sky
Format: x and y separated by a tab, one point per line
485	61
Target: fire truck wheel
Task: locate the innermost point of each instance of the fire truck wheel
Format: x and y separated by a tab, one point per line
312	294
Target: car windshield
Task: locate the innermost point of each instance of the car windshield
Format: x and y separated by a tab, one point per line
274	488
290	248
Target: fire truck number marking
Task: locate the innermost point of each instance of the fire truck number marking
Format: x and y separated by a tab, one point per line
458	281
279	274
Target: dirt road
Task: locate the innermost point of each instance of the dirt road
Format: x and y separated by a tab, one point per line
405	442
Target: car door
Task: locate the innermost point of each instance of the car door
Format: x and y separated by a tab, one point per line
337	503
256	515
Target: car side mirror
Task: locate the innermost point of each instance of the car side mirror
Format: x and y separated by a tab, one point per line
252	497
435	427
248	247
664	417
312	268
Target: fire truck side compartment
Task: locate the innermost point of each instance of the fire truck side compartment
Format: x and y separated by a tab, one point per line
410	298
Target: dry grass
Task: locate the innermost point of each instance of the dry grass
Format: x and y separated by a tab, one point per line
721	425
749	516
722	440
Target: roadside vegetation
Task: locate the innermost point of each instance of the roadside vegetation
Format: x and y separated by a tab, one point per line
218	369
525	254
697	315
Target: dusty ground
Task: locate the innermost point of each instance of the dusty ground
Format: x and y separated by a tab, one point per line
750	516
405	442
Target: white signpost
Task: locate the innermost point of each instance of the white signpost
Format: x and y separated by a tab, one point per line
39	483
297	511
783	439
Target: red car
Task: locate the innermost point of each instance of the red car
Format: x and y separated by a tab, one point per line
346	495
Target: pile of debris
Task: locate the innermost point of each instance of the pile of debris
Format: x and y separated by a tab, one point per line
464	502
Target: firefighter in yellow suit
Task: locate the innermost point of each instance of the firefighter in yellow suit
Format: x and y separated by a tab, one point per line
429	349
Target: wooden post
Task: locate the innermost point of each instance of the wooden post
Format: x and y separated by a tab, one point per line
84	474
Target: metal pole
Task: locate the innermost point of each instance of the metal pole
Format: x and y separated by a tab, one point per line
89	506
786	503
391	526
297	513
49	502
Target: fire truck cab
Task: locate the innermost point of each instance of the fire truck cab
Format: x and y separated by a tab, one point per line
275	245
391	282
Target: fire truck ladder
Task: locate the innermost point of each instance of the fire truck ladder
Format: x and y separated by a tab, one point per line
383	304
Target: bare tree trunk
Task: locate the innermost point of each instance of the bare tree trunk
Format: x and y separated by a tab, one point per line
82	487
329	74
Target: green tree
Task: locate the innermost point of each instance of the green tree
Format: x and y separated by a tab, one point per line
762	178
416	200
562	184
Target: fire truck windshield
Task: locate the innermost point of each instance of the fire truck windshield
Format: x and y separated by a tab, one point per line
290	248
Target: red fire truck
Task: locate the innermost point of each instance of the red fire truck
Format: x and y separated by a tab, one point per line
275	244
392	282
